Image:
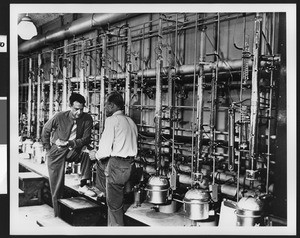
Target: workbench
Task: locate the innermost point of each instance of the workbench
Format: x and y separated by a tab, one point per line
145	213
71	180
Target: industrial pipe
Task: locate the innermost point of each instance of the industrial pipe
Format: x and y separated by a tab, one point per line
158	101
51	90
128	74
82	71
102	83
235	65
253	145
72	29
232	65
200	95
29	97
38	105
64	84
231	138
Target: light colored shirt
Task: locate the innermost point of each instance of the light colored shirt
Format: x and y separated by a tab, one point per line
119	137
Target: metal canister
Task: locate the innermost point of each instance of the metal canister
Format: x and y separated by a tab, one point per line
38	152
27	146
249	211
158	189
196	204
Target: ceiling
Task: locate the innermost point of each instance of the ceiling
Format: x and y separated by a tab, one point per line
40	18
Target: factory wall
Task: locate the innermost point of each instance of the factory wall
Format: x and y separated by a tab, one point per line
128	55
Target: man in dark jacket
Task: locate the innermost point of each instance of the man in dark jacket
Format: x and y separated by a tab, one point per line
63	137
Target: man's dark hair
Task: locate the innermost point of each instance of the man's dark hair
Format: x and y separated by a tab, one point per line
117	99
76	97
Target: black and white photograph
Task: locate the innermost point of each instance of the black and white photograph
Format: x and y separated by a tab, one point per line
152	119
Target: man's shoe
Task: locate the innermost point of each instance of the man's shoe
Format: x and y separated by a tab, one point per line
86	191
101	198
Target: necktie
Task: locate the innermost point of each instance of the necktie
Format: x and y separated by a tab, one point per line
73	132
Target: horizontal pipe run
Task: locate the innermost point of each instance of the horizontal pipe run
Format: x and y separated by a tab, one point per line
77	27
235	65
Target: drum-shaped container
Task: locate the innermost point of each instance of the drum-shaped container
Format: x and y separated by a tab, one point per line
249	211
158	189
196	204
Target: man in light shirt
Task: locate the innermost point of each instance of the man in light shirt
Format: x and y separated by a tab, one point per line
117	149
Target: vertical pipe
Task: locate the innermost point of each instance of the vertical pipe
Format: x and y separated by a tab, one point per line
64	83
128	73
270	107
142	78
173	177
194	160
33	98
29	97
38	103
88	72
43	99
82	71
255	94
102	83
171	97
57	99
239	163
173	90
213	118
158	98
264	28
200	93
51	92
214	84
231	129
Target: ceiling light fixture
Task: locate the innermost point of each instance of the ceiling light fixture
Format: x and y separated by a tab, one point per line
26	28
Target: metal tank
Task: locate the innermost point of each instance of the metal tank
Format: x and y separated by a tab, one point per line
157	189
196	204
249	211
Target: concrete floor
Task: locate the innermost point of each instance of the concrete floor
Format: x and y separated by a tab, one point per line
41	215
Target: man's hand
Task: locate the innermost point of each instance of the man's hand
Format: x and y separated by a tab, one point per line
61	143
92	154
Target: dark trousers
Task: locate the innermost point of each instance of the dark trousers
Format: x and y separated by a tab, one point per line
100	180
118	174
56	158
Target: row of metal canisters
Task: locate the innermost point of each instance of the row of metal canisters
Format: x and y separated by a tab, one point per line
196	202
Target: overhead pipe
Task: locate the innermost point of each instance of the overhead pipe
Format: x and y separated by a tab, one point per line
235	65
72	29
231	65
